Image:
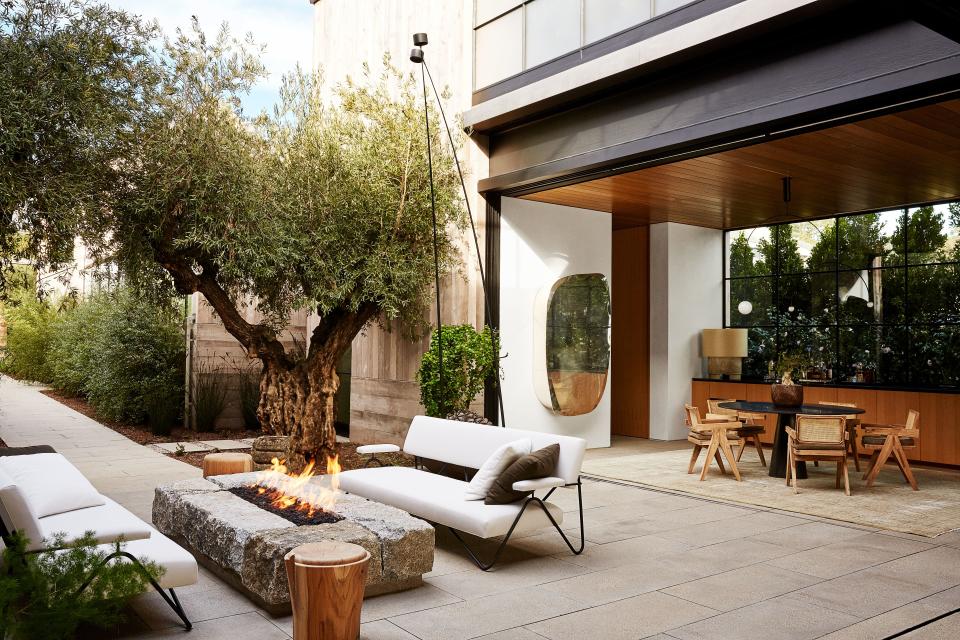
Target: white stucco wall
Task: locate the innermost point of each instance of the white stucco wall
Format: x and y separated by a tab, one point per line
686	296
540	243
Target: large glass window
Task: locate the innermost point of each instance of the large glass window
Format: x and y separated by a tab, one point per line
552	29
870	297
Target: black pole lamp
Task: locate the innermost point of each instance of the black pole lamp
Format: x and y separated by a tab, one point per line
417	56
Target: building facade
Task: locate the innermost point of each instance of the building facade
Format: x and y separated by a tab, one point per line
622	150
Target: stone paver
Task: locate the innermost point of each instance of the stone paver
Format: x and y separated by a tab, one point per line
187	447
657	564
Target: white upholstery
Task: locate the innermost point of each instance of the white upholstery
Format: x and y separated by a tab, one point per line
469	445
377	448
492	467
538	483
16	513
180	568
108	522
50	483
439	499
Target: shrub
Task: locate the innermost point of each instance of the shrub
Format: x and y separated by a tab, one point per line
209	396
43	595
125	354
249	393
29	332
468	360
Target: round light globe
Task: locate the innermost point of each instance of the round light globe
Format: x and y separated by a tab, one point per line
869	305
745	307
790	308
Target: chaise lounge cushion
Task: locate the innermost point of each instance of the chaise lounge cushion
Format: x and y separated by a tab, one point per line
50	483
180	568
108	522
439	499
16	514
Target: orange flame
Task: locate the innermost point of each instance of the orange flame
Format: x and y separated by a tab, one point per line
297	491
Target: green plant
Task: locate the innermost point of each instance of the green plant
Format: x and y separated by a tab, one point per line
249	392
792	365
29	333
209	396
47	596
468	360
180	450
163	405
123	352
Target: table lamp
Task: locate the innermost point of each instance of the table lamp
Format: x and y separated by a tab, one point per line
724	350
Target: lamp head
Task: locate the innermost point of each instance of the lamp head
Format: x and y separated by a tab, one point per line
416	55
419	39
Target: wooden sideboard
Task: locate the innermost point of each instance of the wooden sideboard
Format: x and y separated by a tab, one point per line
939	412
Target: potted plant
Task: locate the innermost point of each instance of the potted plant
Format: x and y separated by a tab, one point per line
787	393
50	594
469	358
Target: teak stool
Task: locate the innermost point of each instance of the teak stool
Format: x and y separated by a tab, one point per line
327	580
221	464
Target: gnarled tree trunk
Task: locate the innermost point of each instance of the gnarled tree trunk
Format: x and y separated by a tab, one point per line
298	402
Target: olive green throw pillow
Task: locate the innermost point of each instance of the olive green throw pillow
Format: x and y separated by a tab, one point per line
539	464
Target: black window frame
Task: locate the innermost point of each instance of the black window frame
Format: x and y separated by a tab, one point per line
906	325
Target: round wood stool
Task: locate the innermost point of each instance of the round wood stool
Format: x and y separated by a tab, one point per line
327	580
221	464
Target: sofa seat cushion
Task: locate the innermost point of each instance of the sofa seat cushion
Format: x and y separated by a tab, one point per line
50	483
439	499
180	567
877	441
108	522
16	514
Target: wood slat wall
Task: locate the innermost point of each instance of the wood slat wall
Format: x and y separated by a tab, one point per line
939	412
630	330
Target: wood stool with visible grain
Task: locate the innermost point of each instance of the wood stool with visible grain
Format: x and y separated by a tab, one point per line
225	463
326	580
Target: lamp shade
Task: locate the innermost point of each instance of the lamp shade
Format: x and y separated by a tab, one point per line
724	343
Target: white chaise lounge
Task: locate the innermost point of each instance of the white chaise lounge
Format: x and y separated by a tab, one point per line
43	495
440	499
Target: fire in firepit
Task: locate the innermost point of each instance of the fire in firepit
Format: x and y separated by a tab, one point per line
294	497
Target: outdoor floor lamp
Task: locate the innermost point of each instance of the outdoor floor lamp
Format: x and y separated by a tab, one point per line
417	56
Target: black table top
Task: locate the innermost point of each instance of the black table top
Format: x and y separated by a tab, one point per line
806	409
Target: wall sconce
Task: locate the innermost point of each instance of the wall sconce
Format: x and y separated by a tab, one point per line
724	350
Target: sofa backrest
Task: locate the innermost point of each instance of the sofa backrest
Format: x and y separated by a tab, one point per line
469	445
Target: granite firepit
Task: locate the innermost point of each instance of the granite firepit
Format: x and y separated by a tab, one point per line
245	544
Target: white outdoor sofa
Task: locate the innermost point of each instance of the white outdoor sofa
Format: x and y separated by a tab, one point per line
440	499
29	488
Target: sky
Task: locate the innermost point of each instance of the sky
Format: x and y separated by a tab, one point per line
284	26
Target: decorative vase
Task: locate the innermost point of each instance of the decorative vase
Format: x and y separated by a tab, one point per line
786	395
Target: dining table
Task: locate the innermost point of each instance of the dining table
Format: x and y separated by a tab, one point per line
787	417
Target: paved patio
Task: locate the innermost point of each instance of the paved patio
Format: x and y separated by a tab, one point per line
657	565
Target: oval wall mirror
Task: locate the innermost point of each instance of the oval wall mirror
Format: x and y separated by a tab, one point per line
572	343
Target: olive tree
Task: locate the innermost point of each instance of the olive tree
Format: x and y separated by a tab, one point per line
73	89
322	205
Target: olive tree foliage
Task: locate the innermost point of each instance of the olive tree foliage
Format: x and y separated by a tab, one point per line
322	205
73	90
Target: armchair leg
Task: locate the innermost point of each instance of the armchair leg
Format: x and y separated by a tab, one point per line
885	452
904	464
759	446
871	463
693	457
846	478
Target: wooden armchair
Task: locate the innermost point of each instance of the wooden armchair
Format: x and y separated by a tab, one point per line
818	438
750	429
885	439
853	422
711	433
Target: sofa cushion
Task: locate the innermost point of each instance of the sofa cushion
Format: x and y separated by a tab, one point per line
50	483
108	522
439	499
16	514
469	445
491	469
539	464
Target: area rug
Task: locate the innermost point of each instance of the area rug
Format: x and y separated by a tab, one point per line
889	504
